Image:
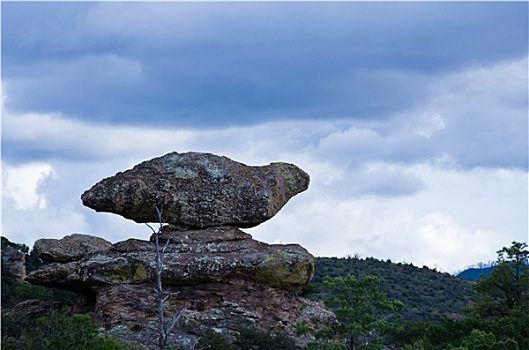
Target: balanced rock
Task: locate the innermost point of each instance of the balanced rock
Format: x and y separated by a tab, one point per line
199	190
220	275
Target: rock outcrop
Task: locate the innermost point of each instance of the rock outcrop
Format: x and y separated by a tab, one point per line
192	257
222	276
199	190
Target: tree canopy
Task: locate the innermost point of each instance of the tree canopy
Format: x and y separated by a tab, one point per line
505	290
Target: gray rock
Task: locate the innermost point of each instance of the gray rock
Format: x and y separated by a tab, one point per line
199	190
69	248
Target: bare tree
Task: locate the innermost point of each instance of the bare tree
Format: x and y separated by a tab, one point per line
164	328
166	324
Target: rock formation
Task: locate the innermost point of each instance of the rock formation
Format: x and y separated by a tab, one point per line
223	277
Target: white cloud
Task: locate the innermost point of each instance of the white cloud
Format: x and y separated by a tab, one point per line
22	185
484	110
442	238
428	125
75	139
55	221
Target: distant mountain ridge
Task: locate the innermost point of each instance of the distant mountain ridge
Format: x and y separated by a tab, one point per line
475	274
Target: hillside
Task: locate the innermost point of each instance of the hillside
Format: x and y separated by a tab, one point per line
427	294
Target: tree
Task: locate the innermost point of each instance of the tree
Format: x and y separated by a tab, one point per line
361	309
480	340
505	291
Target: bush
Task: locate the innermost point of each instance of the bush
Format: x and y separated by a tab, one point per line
55	331
214	341
253	339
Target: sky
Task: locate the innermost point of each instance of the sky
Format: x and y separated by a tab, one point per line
410	117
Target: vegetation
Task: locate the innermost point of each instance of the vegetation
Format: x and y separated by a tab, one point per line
253	339
359	306
505	291
54	331
498	320
427	294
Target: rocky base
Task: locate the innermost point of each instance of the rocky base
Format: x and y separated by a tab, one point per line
220	276
220	307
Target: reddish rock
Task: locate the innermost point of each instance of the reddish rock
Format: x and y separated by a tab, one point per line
223	277
34	308
225	307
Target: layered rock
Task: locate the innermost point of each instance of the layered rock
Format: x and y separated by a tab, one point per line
192	257
199	190
223	277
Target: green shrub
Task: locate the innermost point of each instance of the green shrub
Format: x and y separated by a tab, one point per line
214	341
302	328
55	331
253	339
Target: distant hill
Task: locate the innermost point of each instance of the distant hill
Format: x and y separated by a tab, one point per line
426	293
474	274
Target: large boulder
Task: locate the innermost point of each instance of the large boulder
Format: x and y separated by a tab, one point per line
199	190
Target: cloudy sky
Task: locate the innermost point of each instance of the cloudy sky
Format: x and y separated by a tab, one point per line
411	118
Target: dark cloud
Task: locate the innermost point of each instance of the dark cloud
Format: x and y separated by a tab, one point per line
219	64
